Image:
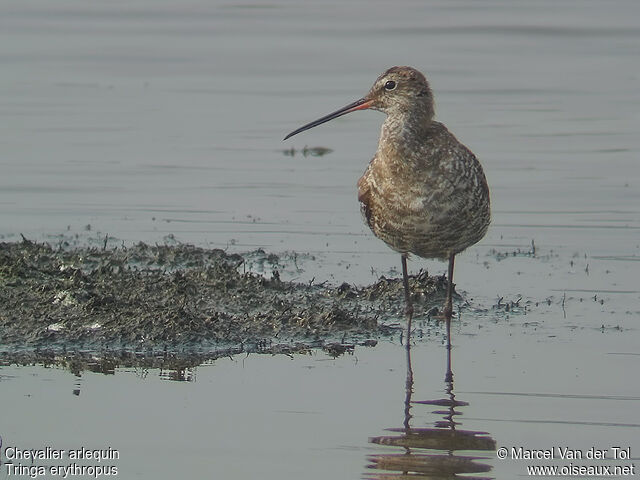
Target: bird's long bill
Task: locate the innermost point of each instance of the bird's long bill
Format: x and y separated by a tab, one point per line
361	104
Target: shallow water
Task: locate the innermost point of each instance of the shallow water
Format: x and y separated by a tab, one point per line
160	122
313	415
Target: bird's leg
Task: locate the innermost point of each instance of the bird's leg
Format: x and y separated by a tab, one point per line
408	306
448	306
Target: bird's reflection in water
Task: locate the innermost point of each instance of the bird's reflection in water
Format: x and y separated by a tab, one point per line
432	453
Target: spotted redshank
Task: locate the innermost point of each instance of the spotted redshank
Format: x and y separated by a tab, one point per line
424	192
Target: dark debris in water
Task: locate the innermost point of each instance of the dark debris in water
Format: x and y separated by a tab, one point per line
307	151
185	297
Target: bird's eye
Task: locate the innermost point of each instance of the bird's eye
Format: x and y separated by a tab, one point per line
390	85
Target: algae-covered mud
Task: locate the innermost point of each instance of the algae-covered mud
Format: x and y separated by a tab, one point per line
185	297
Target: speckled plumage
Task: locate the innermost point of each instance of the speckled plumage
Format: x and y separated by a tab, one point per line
424	192
433	203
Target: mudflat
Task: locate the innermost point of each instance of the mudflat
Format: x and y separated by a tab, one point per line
171	296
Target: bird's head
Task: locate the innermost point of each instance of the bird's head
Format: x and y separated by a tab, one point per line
397	91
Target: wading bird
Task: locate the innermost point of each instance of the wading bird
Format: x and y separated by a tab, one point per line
423	193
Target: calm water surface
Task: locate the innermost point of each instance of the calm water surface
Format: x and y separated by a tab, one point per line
158	121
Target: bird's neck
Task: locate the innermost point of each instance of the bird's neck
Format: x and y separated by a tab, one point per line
401	131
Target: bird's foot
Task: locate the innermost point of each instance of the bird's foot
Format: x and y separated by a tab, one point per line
408	310
445	314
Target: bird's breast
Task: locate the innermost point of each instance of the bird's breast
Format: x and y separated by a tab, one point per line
430	208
